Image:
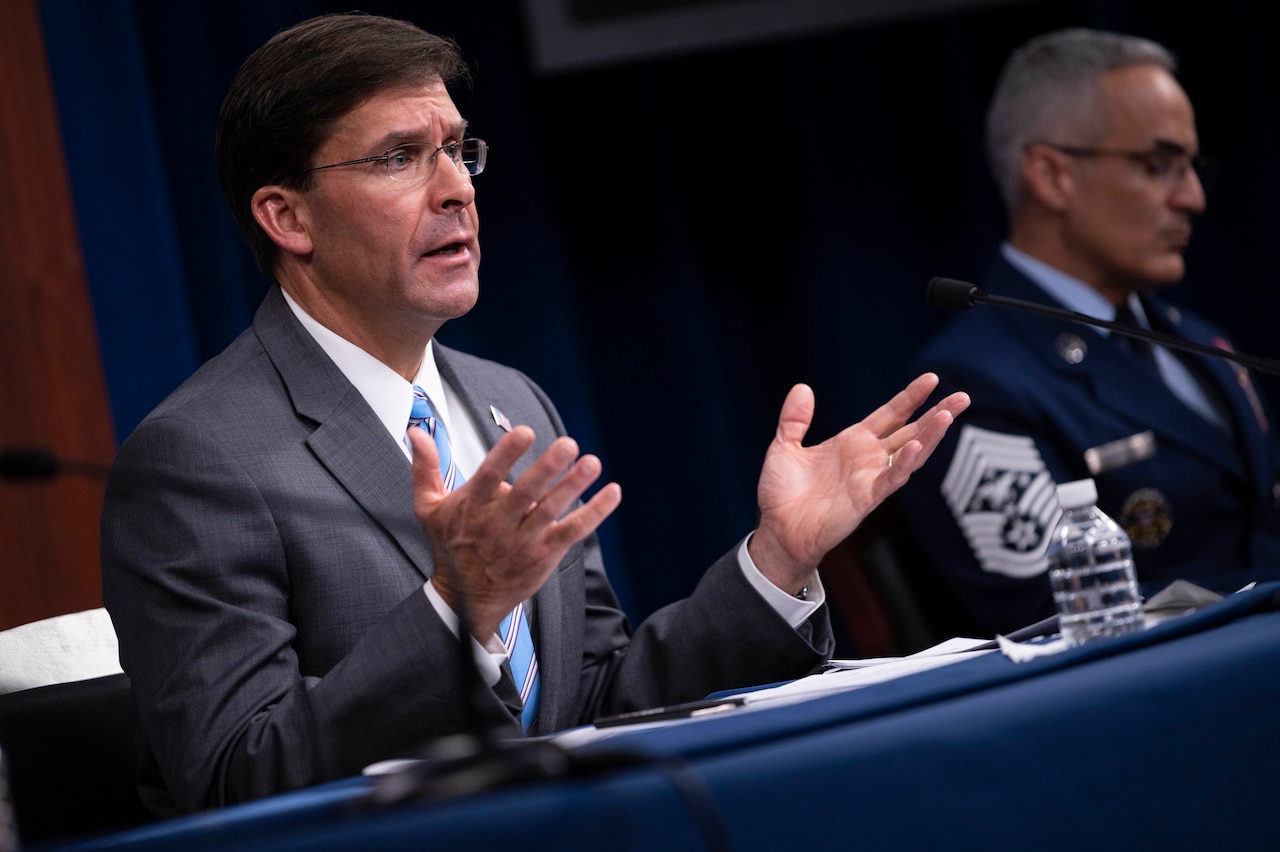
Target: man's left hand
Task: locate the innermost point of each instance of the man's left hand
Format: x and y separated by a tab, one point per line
812	498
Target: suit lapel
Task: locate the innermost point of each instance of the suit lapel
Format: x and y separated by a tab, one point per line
1122	384
1132	388
348	440
1247	415
351	443
481	400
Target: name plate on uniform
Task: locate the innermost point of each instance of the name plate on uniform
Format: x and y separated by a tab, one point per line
1122	453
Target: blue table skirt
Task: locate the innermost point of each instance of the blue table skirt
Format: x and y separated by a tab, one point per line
1169	738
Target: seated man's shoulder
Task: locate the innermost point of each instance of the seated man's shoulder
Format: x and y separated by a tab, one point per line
237	374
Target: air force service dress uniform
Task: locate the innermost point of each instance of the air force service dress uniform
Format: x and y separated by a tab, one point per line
1055	401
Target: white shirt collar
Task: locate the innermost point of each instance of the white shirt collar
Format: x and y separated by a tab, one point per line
1072	293
386	391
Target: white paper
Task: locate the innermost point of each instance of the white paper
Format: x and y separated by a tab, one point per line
1021	653
843	679
950	646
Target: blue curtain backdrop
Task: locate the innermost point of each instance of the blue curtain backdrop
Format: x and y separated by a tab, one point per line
669	244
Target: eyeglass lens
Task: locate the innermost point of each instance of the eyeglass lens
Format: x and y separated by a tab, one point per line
416	162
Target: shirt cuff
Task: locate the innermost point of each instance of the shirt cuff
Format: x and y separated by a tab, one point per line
488	662
793	610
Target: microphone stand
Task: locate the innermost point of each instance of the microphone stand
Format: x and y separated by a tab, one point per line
478	760
951	293
23	463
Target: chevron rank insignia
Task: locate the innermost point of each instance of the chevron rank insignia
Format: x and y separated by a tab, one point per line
1004	500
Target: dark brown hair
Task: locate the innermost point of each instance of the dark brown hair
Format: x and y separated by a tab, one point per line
290	92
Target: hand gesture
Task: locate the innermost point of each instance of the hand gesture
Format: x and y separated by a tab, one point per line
812	498
497	542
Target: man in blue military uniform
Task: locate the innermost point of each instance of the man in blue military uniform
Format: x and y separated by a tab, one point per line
1094	146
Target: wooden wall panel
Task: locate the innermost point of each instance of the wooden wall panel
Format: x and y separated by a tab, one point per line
52	391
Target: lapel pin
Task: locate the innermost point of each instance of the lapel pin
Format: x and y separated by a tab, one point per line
501	419
1071	348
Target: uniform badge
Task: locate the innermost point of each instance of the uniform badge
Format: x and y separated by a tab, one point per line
1004	499
1070	348
1147	517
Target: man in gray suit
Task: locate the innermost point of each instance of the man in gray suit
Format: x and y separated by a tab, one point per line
283	557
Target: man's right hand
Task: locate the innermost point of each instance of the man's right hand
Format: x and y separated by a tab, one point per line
497	542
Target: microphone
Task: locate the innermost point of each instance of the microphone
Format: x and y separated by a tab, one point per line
477	759
34	463
951	294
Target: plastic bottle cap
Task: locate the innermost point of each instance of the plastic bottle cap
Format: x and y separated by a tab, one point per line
1078	494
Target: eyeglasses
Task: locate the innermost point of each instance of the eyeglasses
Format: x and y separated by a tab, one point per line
417	160
1166	165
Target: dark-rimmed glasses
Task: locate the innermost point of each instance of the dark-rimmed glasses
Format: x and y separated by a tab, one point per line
1166	165
415	161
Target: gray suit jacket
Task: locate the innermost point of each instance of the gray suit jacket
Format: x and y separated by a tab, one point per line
263	567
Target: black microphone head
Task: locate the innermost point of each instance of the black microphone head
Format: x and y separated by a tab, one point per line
27	464
951	294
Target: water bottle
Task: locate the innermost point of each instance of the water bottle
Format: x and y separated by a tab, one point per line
1091	569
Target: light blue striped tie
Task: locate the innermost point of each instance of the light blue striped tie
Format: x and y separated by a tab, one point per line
514	629
422	414
524	662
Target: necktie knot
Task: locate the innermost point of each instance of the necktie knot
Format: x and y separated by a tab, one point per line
424	414
1142	348
422	409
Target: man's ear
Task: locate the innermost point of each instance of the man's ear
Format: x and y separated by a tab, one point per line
1048	175
281	213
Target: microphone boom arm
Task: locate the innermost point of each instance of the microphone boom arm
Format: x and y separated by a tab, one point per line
939	297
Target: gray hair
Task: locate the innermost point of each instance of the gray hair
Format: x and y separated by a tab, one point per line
1049	90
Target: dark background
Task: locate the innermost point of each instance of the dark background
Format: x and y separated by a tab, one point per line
669	244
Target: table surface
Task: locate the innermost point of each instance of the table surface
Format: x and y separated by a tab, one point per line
1163	739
